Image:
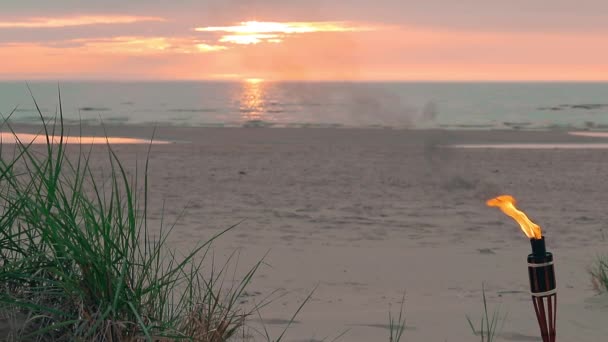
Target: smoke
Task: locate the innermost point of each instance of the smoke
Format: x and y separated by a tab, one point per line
360	105
455	171
373	104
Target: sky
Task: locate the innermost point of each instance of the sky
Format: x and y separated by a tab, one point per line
431	40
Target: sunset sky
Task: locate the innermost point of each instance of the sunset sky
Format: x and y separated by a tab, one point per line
304	40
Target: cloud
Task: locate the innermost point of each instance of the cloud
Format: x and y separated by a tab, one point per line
255	32
129	45
149	45
288	27
203	47
47	22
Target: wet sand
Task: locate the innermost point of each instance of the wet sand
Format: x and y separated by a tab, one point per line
367	215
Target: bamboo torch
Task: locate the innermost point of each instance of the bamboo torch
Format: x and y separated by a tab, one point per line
540	268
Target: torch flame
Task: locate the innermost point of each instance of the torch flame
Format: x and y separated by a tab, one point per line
506	203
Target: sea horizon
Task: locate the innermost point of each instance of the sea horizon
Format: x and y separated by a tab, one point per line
346	104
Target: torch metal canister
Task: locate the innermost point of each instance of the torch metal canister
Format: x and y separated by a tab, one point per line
543	288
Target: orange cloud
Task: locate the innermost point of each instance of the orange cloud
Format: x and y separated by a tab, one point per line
148	45
209	48
47	22
255	32
128	45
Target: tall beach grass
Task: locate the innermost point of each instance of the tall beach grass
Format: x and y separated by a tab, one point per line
78	260
599	274
489	323
396	324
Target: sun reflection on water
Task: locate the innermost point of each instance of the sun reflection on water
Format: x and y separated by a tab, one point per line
253	102
27	138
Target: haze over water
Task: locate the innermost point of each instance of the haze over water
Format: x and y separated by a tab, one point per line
255	102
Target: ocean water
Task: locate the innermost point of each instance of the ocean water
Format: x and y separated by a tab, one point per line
310	104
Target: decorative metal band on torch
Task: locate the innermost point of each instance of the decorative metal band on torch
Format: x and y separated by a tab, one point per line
540	269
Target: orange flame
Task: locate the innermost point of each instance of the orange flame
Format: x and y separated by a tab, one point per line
506	203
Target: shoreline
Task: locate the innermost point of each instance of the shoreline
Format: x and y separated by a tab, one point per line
498	134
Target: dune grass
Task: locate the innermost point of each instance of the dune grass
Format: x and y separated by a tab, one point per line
79	262
396	325
599	274
488	325
599	270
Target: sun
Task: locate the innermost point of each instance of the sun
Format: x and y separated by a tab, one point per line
255	32
254	80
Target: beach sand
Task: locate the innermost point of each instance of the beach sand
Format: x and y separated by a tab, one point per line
368	215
